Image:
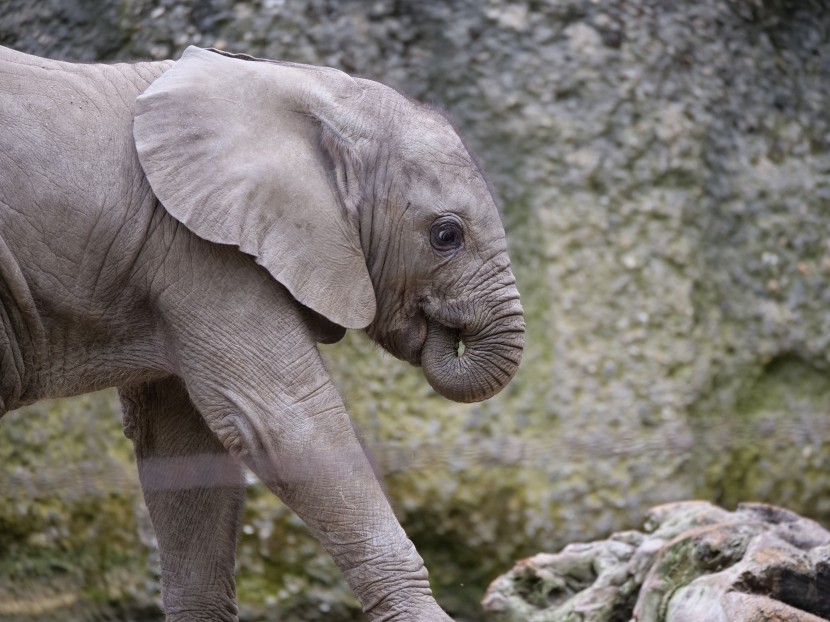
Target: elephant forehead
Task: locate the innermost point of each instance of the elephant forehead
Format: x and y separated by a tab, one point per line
441	171
440	146
460	189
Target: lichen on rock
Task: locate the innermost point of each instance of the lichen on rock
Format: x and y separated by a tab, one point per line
693	562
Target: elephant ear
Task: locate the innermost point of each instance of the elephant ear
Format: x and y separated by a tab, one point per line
248	153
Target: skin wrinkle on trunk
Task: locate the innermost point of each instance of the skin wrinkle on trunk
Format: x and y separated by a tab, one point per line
489	359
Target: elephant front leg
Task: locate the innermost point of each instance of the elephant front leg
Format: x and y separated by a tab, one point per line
286	421
194	490
301	443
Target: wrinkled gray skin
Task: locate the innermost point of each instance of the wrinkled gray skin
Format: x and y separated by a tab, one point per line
188	232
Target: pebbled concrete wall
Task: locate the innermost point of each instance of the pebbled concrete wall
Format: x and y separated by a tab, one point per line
665	175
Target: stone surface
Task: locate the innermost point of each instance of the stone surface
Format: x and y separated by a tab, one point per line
695	562
664	169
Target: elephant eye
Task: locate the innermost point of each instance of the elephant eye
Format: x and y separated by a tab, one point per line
446	235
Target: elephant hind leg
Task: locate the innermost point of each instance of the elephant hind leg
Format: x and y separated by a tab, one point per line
194	491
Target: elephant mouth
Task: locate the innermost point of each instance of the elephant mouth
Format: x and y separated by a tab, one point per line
408	338
407	342
462	361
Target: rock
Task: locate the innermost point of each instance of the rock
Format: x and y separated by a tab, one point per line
694	562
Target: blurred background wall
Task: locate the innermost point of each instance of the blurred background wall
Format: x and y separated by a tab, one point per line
665	177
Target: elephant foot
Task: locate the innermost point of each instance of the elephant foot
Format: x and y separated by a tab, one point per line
202	608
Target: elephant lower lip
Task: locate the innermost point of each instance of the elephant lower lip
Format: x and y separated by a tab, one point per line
415	359
410	355
414	346
407	343
413	354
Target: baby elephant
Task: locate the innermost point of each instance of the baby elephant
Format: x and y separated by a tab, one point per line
189	232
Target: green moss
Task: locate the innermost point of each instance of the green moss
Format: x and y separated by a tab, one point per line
283	573
777	419
71	509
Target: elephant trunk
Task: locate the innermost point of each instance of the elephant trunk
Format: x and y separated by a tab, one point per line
472	365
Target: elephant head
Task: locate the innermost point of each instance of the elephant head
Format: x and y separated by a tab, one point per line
365	205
